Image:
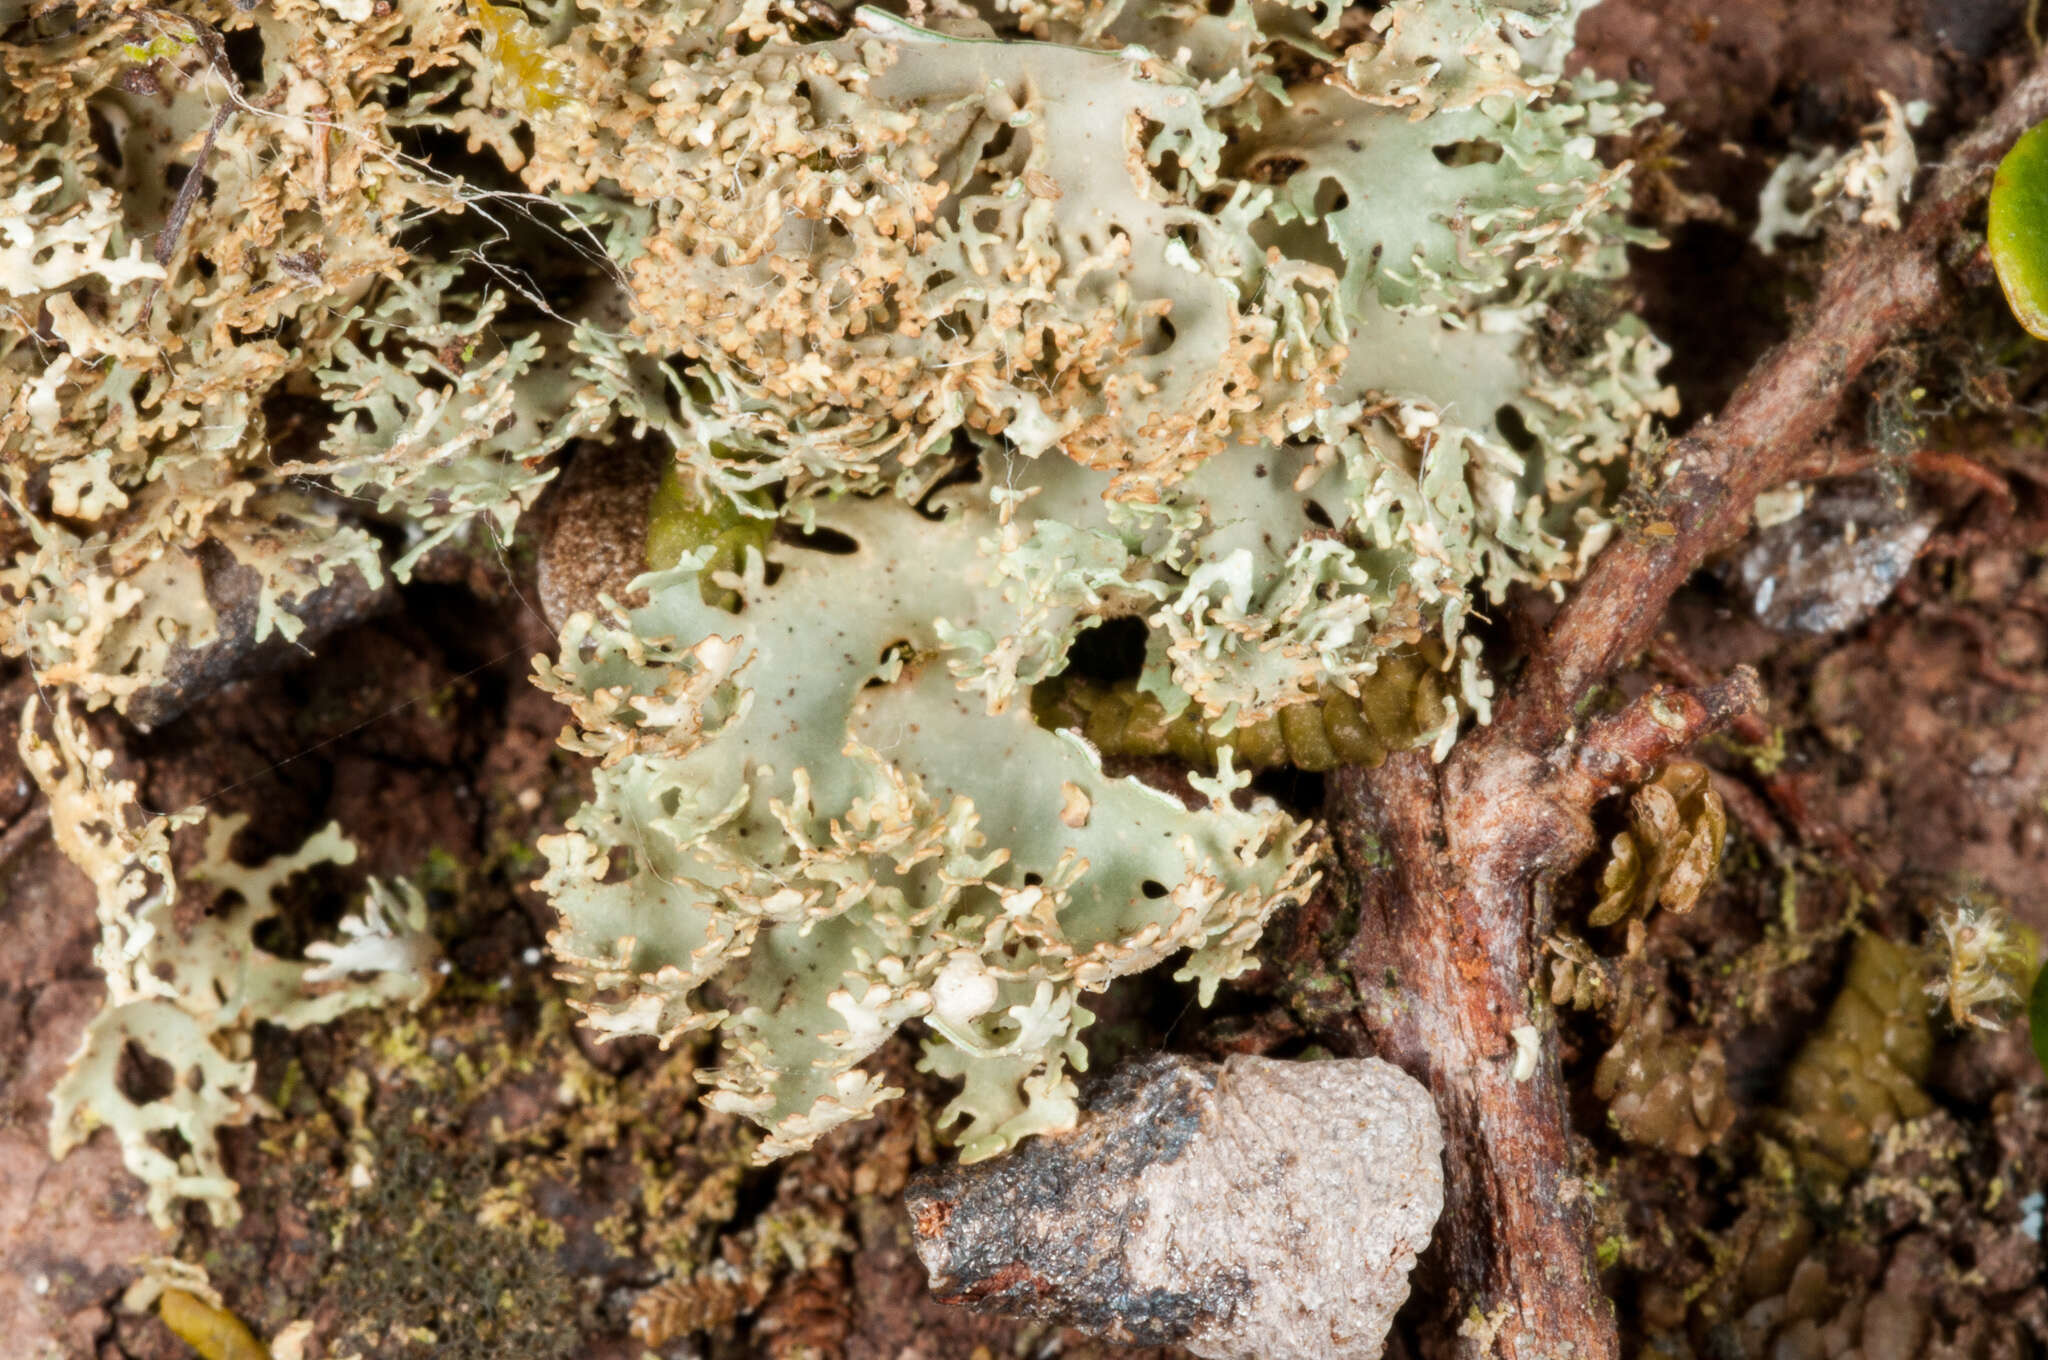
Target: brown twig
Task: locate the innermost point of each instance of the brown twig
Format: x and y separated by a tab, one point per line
195	178
1885	286
1626	748
1985	641
1831	460
23	830
1784	789
191	674
1667	656
1450	867
1751	813
1963	468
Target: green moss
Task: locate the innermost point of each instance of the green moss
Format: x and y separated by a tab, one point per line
414	1271
1861	1073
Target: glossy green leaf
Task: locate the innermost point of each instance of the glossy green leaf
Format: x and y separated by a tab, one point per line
2018	229
2037	1017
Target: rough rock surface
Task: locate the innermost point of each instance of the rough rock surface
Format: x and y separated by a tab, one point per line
1828	569
593	534
1257	1209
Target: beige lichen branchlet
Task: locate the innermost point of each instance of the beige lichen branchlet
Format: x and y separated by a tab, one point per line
1670	852
1866	184
879	194
188	993
1986	964
1190	318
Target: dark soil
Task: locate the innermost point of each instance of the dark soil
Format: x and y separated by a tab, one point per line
479	1179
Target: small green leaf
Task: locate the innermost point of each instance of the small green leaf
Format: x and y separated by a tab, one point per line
2037	1018
2018	229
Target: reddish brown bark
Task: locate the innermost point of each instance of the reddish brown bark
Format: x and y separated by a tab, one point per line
1838	460
1434	947
1450	866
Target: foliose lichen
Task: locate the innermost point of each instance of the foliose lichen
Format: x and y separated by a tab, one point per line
1023	337
1264	326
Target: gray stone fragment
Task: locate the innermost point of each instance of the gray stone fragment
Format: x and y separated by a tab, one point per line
192	674
1259	1209
593	531
1831	567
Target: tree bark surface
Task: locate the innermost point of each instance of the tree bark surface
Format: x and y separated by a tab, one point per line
1448	868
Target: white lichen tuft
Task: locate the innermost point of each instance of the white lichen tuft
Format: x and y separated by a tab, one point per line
1866	184
387	937
1985	964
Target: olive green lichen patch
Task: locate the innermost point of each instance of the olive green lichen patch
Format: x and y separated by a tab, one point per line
1401	706
1671	850
1861	1074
